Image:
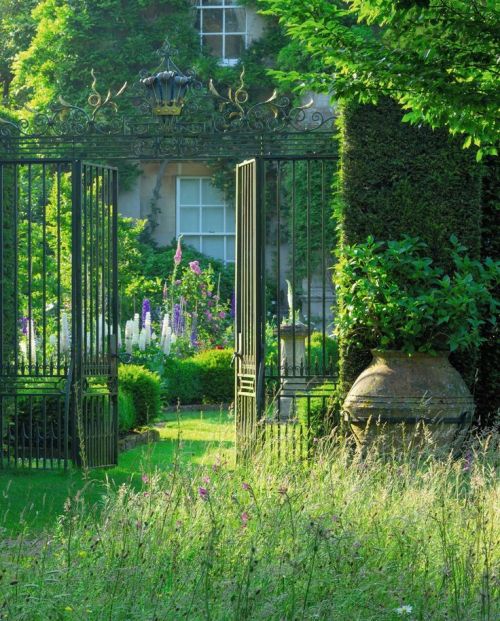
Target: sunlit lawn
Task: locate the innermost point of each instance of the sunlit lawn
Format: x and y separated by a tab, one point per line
33	500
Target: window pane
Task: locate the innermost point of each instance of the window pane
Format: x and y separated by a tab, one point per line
235	20
189	219
212	20
230	221
212	219
210	195
230	248
212	2
189	192
235	45
214	247
214	44
192	241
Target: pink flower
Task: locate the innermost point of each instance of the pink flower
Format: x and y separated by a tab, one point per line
203	492
206	480
178	282
245	486
178	252
244	519
208	314
195	267
145	478
222	315
209	293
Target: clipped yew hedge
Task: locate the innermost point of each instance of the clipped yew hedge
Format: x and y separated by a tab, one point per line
397	179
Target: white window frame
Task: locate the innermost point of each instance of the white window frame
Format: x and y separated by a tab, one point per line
226	4
228	236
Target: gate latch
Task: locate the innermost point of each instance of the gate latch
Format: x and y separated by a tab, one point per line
236	354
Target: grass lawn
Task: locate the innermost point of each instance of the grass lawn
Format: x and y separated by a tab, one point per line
32	500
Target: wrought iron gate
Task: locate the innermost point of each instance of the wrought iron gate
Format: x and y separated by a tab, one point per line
286	355
58	313
249	333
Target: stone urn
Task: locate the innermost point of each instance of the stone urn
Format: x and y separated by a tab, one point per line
293	371
403	399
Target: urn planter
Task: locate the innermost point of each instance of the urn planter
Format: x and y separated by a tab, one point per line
401	398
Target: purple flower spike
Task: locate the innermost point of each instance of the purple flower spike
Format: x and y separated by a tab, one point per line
24	325
178	252
178	320
146	308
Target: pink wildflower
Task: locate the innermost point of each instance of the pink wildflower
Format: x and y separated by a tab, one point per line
244	519
195	267
208	314
222	314
245	486
145	478
178	252
206	480
203	492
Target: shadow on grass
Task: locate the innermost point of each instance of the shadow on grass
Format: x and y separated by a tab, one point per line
32	500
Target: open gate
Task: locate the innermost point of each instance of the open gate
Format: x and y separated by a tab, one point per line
286	356
58	313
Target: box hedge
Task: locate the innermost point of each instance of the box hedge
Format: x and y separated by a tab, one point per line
144	386
398	179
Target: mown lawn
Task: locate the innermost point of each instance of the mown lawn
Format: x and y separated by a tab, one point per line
32	500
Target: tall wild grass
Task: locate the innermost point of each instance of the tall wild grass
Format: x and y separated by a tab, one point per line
343	538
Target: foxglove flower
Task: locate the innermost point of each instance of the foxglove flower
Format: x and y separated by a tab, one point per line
195	267
135	331
142	340
178	253
147	327
65	339
129	333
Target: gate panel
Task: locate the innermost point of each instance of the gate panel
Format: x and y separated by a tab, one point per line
96	303
249	333
35	311
58	277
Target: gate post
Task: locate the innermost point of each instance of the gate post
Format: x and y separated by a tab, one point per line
76	423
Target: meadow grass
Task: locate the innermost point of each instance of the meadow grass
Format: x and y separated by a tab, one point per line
31	501
343	537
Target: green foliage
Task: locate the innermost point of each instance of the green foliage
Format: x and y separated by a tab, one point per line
315	414
16	29
438	60
216	375
144	386
393	297
127	419
320	347
181	381
398	180
207	377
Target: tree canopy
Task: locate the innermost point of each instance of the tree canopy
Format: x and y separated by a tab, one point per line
437	58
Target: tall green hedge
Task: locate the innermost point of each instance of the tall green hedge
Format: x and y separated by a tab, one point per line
398	179
487	390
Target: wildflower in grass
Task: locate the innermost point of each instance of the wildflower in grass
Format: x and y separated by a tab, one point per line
206	480
203	493
244	519
467	462
404	610
245	486
195	267
178	252
145	478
